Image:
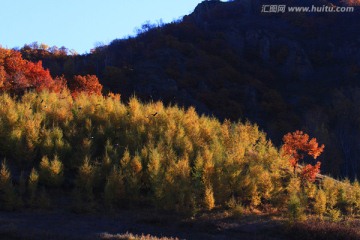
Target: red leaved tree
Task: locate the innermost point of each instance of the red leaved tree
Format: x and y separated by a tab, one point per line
309	172
89	84
59	84
297	144
18	75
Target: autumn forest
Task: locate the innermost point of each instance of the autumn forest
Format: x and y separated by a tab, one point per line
187	120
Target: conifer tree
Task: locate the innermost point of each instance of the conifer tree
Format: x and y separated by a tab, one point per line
209	200
83	192
156	176
32	186
114	189
320	203
51	172
8	196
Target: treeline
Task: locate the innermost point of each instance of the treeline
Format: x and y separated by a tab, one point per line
114	155
18	75
59	137
136	153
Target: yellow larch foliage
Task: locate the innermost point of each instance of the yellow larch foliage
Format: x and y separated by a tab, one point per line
209	199
331	191
136	164
320	202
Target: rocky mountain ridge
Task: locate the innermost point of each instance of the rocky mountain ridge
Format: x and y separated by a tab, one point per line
284	71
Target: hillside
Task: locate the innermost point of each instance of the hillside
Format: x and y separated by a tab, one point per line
79	162
94	154
227	59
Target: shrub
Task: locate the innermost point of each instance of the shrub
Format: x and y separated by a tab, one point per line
114	191
51	172
334	215
344	197
356	197
32	186
83	194
320	202
295	208
178	193
231	203
156	176
131	168
209	200
10	200
331	191
237	211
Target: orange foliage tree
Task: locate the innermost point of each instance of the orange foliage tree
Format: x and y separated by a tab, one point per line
309	172
17	74
88	83
297	144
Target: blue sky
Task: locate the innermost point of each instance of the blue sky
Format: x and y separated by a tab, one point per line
79	24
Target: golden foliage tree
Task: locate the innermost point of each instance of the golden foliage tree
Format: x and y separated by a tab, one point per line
51	172
8	196
320	203
83	192
33	186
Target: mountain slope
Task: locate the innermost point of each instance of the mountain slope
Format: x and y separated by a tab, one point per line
283	71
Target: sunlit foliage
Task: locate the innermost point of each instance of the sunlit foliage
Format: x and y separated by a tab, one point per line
88	83
297	144
107	153
18	75
176	158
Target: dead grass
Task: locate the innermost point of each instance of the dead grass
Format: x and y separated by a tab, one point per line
324	230
130	236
